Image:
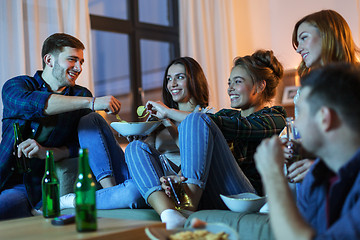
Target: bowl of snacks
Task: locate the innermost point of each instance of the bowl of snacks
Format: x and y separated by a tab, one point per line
126	129
135	128
209	231
244	202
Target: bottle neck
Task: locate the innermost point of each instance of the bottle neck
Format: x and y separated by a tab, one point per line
17	133
49	163
84	167
166	166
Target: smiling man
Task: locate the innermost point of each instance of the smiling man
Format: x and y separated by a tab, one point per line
328	122
47	107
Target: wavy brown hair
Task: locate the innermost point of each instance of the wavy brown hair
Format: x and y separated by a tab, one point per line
196	83
337	41
263	65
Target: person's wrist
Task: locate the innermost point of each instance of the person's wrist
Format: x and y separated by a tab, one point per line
166	122
274	172
92	104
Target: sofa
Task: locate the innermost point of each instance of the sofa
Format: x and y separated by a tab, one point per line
250	226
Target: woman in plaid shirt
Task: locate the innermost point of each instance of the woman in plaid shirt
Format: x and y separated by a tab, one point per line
209	166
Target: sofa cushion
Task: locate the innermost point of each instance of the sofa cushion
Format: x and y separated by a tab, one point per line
66	171
249	225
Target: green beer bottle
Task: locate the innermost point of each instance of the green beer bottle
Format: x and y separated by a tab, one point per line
85	202
50	189
21	163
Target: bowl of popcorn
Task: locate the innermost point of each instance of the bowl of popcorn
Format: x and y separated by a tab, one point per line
244	202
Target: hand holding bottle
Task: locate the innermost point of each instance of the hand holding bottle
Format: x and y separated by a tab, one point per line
165	183
292	143
178	194
21	162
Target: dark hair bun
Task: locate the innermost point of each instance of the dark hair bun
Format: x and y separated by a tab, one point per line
266	58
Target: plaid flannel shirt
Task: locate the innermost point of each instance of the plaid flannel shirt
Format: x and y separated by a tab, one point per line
24	99
244	134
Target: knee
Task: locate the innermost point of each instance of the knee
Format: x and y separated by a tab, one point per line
91	119
193	120
135	145
197	117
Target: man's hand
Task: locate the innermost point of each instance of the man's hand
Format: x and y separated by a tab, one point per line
108	103
269	157
31	149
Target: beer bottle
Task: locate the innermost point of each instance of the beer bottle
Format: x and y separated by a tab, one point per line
85	189
50	188
178	194
21	163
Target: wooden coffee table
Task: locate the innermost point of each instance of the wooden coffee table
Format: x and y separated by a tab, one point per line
40	228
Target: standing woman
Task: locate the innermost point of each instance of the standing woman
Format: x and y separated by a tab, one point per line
207	163
320	38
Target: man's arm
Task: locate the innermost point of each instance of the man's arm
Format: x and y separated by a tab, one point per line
59	104
285	219
32	149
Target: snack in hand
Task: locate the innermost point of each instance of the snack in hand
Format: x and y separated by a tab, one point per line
140	111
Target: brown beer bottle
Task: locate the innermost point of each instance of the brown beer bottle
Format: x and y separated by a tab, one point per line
178	194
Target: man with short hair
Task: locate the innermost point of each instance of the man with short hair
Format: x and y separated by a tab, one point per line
329	198
48	108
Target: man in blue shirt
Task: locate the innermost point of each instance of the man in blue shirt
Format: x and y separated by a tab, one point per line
329	198
47	107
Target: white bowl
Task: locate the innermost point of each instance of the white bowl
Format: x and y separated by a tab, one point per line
135	128
244	202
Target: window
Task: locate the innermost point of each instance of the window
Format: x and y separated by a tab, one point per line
133	41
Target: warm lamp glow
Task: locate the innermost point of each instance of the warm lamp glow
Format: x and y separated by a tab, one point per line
297	80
